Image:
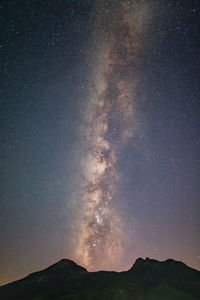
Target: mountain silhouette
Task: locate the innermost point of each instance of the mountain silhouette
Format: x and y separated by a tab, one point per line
148	279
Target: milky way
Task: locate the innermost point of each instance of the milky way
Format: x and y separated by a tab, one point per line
110	124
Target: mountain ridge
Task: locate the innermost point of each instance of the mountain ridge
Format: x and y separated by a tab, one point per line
147	279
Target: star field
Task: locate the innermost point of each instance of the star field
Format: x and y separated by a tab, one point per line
52	55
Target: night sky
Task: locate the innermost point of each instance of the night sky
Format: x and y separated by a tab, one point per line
99	133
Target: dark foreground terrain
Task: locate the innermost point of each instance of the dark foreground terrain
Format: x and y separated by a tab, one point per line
147	280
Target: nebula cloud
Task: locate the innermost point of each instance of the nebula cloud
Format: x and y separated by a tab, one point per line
110	123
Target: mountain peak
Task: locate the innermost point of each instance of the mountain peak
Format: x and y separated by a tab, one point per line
170	263
65	264
140	261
